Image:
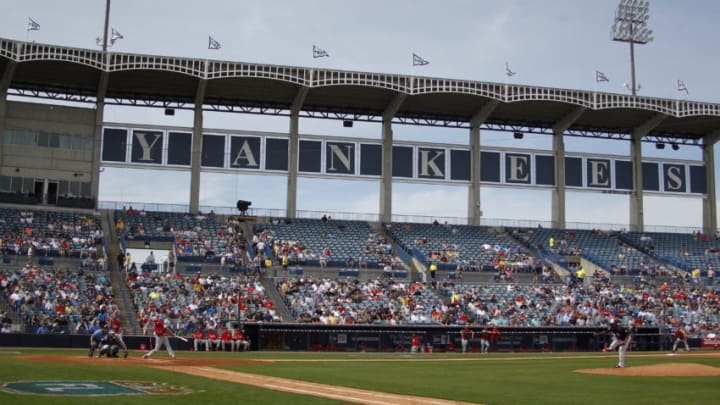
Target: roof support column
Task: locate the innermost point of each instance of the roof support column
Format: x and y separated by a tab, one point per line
710	197
291	199
99	119
474	200
387	152
4	86
637	219
557	216
197	146
637	215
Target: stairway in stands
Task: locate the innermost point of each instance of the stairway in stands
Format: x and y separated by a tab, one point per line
120	289
268	282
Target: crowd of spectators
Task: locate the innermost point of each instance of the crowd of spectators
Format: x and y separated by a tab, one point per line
47	233
55	301
461	247
376	301
189	302
595	303
642	303
196	236
64	301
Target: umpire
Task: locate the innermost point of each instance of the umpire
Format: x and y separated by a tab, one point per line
96	339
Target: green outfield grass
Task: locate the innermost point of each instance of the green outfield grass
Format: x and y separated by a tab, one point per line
501	379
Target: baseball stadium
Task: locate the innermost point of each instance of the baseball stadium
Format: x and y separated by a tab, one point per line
144	300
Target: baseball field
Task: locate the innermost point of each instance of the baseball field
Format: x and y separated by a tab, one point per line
34	376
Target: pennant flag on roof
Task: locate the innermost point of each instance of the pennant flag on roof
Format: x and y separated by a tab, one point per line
601	77
319	52
681	87
213	44
418	61
508	72
32	25
115	35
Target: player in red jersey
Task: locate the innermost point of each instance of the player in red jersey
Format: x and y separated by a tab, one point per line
227	339
680	337
162	334
415	344
116	327
199	338
241	341
484	340
466	335
213	340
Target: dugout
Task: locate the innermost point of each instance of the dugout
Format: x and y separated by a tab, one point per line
385	338
380	338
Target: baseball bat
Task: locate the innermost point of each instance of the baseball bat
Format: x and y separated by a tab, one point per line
180	337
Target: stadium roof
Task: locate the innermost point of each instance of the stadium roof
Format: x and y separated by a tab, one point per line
73	74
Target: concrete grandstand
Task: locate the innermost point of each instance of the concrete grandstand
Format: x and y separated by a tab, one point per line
238	270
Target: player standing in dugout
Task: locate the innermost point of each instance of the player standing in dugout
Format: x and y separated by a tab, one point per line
466	335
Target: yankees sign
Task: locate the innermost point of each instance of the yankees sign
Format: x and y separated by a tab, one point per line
417	162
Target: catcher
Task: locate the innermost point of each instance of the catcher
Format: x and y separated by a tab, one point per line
110	345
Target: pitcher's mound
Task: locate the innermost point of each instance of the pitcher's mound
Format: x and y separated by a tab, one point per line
658	370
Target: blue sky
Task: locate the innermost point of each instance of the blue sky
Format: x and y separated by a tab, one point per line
558	43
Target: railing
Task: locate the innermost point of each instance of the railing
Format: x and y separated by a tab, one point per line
397	218
119	205
349	216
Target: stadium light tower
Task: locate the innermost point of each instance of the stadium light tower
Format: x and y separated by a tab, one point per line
631	26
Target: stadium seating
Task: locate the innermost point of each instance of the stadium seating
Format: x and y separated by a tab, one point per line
349	301
476	248
49	233
196	300
603	248
197	237
60	299
305	240
190	299
685	251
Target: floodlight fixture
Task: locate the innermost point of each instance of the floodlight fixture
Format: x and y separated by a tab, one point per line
630	26
675	146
